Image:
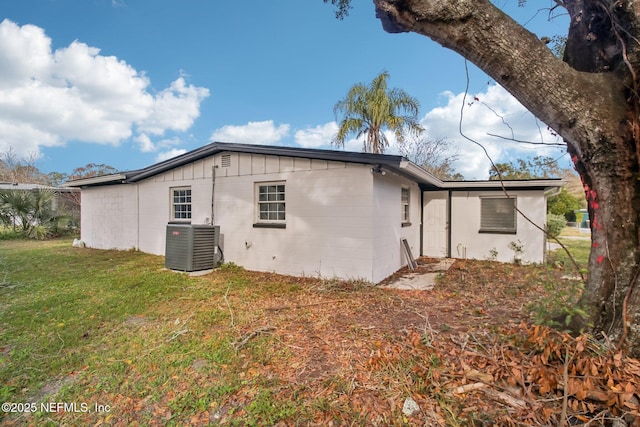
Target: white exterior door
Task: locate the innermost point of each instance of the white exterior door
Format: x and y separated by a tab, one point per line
435	224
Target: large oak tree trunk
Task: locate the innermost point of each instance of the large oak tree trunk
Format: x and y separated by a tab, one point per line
590	99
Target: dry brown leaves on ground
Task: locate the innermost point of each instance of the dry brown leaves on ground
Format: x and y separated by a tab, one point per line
334	353
539	375
465	352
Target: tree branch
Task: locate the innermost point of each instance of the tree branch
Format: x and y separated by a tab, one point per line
625	317
549	144
516	59
500	178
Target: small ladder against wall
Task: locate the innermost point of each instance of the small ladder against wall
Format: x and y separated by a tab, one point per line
411	262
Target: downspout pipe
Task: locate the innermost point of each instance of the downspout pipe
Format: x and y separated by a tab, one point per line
553	191
213	193
421	221
449	216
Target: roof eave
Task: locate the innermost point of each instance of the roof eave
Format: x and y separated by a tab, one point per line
545	184
116	178
419	174
219	147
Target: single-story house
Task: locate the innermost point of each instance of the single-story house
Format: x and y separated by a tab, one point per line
314	212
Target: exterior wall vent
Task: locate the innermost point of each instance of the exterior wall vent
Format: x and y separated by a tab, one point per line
191	247
225	160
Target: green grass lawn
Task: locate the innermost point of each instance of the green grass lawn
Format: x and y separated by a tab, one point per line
66	313
75	322
114	328
578	245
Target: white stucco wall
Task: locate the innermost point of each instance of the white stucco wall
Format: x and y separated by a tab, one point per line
465	226
109	217
342	219
127	216
155	202
339	224
387	224
329	219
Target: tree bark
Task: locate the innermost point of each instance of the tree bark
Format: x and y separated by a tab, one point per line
590	99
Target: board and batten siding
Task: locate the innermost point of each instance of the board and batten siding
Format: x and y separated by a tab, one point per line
155	201
329	221
465	227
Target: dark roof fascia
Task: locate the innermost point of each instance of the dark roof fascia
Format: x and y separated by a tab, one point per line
98	181
395	163
495	185
172	163
391	161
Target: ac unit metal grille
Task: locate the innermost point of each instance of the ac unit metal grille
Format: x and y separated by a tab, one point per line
191	247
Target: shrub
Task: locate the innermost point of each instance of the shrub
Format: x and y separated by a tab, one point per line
559	305
555	224
564	204
31	213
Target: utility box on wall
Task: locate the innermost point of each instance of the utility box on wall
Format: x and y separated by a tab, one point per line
191	247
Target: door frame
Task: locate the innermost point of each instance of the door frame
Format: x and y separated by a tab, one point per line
436	195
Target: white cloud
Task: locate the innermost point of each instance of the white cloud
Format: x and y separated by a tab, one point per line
166	155
493	112
31	139
50	97
264	132
145	143
319	136
25	52
353	144
175	108
169	142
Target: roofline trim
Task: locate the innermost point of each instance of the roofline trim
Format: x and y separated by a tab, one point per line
96	180
396	163
538	183
423	176
309	153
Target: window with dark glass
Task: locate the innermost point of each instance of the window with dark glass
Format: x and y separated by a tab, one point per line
404	201
498	215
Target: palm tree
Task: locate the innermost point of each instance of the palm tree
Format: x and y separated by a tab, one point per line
369	110
31	210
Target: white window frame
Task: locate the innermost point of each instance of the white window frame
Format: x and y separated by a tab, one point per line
177	199
498	215
271	202
405	205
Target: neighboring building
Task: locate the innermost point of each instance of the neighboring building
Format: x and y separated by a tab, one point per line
66	200
313	212
582	218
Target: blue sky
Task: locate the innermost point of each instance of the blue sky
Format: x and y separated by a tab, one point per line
132	82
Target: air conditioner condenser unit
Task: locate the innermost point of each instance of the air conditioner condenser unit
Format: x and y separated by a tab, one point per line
191	247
